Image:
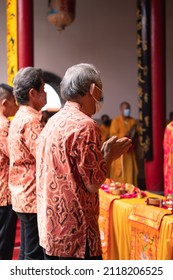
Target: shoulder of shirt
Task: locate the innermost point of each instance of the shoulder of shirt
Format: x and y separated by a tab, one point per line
26	114
169	127
170	124
77	114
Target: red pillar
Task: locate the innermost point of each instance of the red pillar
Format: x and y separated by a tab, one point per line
154	168
25	33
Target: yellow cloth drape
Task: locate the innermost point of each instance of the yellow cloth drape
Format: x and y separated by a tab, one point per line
120	232
145	222
104	222
12	44
124	169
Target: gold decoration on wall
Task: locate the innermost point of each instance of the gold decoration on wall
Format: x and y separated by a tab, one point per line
144	77
61	13
12	44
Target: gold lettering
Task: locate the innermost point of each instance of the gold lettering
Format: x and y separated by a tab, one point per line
140	65
140	91
138	14
140	104
139	41
144	46
139	26
147	144
139	52
145	70
140	79
146	97
140	115
146	120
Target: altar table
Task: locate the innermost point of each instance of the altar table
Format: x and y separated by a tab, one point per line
115	228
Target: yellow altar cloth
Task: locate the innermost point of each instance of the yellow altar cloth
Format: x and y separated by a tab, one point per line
145	223
104	222
119	232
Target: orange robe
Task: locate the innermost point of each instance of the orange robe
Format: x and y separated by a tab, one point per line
168	159
124	169
105	132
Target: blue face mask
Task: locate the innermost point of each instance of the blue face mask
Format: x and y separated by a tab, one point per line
126	112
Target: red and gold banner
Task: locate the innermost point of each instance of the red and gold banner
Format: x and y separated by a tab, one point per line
12	40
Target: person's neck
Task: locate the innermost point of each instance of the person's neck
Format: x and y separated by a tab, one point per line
3	115
81	105
125	118
30	104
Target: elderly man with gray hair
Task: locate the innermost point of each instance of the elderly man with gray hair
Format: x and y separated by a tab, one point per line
71	165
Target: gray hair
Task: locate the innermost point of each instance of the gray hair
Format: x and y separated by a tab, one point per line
78	79
26	79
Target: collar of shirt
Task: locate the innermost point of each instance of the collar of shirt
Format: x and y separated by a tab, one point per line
73	104
25	108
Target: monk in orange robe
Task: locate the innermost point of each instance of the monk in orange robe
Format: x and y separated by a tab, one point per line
105	127
125	168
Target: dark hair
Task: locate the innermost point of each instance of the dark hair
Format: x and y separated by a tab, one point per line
26	79
171	116
6	91
106	120
124	103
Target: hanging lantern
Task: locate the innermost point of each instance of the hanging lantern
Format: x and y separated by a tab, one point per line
61	13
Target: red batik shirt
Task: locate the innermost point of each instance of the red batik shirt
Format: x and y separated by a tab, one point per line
5	196
68	159
23	133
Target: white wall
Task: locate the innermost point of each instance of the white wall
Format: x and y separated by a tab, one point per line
103	33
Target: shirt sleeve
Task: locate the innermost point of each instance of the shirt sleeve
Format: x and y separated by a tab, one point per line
90	162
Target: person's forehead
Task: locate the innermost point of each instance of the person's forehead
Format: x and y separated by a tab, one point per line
125	105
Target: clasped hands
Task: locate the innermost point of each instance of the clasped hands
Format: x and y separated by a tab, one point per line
113	148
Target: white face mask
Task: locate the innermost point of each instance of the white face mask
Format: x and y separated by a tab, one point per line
98	105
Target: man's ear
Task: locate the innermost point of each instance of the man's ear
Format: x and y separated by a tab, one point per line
92	88
32	93
4	102
95	91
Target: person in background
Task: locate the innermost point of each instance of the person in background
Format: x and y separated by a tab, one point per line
171	116
105	127
125	170
168	159
46	115
23	133
8	217
73	168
